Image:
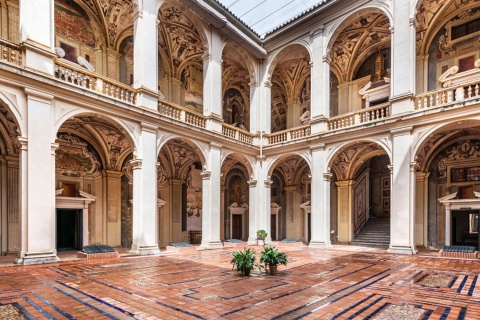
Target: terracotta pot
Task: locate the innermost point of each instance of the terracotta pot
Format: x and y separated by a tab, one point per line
246	272
273	270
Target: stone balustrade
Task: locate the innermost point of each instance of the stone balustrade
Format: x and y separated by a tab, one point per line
10	52
92	81
177	112
289	135
450	95
237	133
360	117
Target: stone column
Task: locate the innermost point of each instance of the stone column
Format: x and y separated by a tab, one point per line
37	34
403	58
98	232
177	94
403	190
145	55
266	115
145	217
320	199
212	79
38	182
114	207
421	209
265	222
176	209
289	211
293	114
3	207
11	177
211	199
255	124
345	220
320	93
252	211
113	70
224	223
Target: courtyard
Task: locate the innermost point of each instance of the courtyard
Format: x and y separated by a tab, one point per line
345	282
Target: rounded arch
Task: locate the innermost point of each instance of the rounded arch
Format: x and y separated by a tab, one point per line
246	57
347	157
246	161
439	21
199	148
339	25
278	55
429	141
279	158
126	130
9	102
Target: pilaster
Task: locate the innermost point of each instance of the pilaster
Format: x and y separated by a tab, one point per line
37	35
211	200
345	220
145	208
212	76
252	212
146	55
320	97
402	212
320	200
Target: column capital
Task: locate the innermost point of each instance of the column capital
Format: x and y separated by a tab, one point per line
317	146
327	59
268	84
345	183
401	131
206	174
290	188
135	164
215	145
150	127
207	56
268	183
252	183
327	176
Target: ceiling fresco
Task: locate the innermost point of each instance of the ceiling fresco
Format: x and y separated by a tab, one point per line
357	41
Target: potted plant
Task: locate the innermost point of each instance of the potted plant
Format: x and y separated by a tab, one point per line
272	257
244	261
261	235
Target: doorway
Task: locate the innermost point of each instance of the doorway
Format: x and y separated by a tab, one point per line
237	226
69	229
465	226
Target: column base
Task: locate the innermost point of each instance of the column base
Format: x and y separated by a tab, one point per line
145	250
319	244
402	250
30	257
211	245
252	241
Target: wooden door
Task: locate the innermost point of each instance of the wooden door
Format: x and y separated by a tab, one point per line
237	226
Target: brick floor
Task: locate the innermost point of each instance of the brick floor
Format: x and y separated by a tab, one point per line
341	283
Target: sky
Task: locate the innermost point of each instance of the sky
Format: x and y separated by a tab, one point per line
264	15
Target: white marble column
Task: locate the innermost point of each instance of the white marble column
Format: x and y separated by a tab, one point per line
145	217
37	34
265	220
252	211
212	80
266	102
402	212
211	199
320	199
145	55
320	78
421	208
38	183
255	125
403	58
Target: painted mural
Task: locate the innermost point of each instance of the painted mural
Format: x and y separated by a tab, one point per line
75	157
194	199
73	23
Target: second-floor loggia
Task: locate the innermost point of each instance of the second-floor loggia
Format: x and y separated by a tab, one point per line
100	57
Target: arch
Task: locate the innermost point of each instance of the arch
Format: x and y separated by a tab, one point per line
247	58
10	103
198	147
363	152
279	158
338	26
246	161
437	23
430	147
126	130
277	56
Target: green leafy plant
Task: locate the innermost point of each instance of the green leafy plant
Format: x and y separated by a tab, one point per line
244	261
273	257
262	234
